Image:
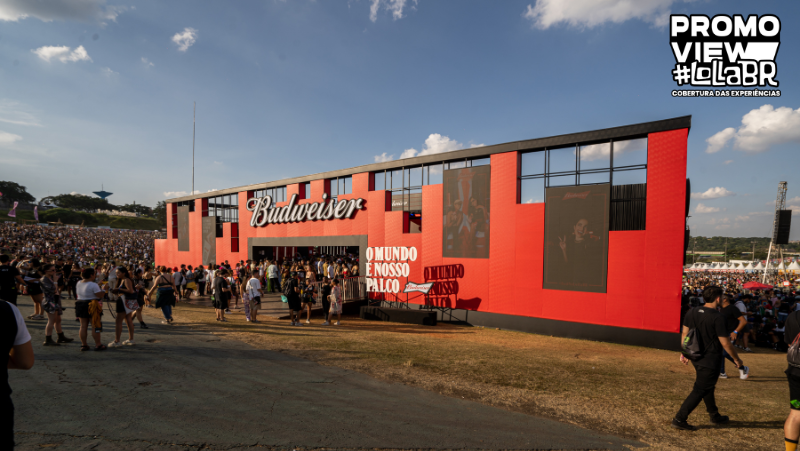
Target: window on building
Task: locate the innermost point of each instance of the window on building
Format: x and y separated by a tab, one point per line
225	208
421	175
277	193
340	186
306	191
187	203
619	163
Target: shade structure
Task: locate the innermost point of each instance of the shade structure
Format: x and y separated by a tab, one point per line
756	286
794	267
760	265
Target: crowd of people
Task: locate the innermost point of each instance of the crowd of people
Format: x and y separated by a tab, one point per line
764	312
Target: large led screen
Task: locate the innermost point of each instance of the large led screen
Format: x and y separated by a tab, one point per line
466	212
576	238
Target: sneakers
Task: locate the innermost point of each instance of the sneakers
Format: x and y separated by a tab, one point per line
326	323
227	310
128	343
748	350
114	344
723	376
164	322
292	323
336	323
719	419
682	425
298	323
308	321
744	373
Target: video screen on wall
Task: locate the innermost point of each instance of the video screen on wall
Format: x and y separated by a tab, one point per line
576	238
466	212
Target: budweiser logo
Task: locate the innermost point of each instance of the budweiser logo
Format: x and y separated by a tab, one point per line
421	287
576	195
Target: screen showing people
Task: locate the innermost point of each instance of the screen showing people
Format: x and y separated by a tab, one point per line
576	238
466	212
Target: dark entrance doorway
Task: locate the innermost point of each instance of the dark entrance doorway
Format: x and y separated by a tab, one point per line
284	247
263	253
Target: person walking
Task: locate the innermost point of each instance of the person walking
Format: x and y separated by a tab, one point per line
139	286
51	303
126	306
336	301
220	294
325	291
272	272
709	328
88	308
309	299
200	280
253	289
735	323
165	293
17	351
179	280
292	293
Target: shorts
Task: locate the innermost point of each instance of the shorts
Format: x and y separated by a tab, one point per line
54	307
140	301
35	289
120	306
221	303
255	304
294	304
82	309
794	390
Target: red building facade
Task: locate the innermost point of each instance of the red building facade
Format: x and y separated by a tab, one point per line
641	304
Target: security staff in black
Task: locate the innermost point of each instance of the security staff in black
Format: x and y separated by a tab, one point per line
710	329
9	278
791	429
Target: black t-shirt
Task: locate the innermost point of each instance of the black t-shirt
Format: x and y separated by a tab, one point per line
731	314
710	325
292	283
220	284
789	334
8	278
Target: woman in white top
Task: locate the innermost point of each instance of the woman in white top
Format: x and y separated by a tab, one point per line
88	308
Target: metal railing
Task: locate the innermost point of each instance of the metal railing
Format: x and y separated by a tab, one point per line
353	288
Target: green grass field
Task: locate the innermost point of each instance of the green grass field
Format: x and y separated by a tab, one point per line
88	219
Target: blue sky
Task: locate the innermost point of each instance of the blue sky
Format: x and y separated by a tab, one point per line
100	92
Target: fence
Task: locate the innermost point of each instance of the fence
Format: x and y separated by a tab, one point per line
353	288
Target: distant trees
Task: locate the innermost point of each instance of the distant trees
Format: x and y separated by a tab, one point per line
79	202
15	192
160	213
141	210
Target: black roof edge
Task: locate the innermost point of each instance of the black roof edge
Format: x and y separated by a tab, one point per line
590	137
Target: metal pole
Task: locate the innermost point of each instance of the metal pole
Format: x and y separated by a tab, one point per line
766	267
194	116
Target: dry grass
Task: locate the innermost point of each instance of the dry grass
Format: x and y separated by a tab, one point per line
617	389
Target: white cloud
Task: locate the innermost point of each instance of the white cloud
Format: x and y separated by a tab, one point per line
722	226
726	162
147	62
719	221
50	10
185	39
8	138
713	193
742	218
12	112
435	143
703	209
792	200
592	13
63	53
393	6
217	163
108	72
761	129
719	140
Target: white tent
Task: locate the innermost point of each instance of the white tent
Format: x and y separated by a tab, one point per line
794	267
759	266
749	267
781	267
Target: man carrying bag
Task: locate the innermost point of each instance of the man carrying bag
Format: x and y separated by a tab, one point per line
707	337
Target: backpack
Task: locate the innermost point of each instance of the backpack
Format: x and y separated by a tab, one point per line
793	353
288	289
692	347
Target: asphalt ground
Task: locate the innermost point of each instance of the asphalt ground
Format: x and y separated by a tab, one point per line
179	388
